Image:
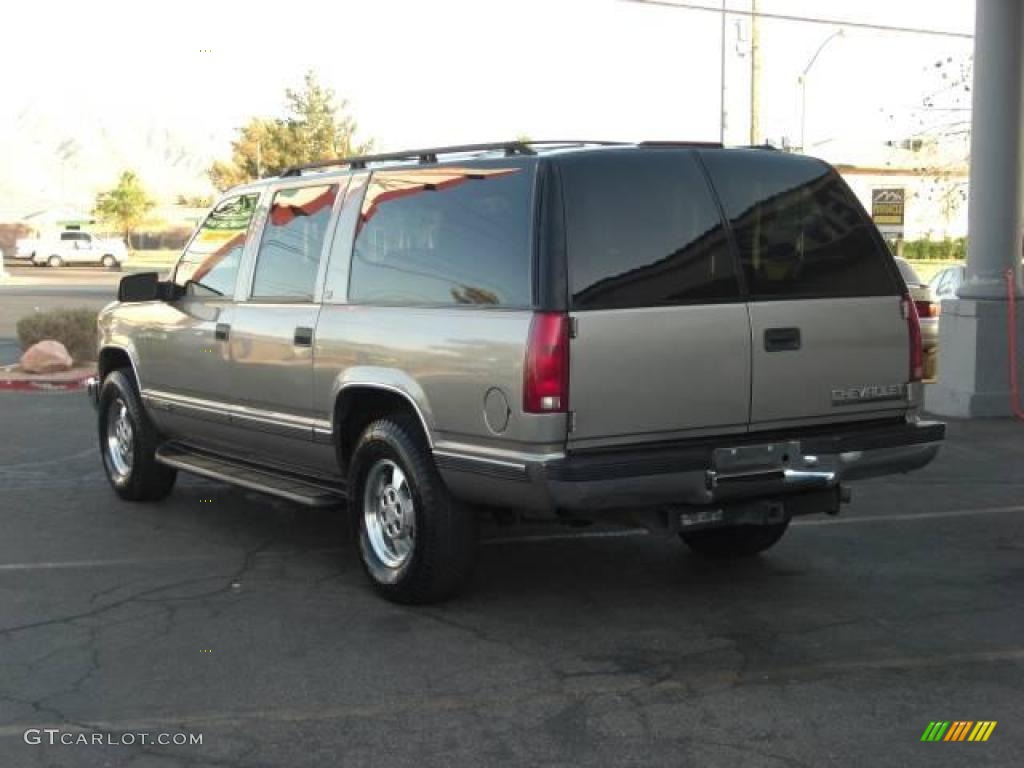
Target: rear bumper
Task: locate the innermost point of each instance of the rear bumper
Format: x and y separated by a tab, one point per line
693	474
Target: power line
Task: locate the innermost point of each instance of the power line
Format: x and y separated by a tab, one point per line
806	19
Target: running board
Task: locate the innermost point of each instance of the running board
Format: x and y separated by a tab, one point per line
311	492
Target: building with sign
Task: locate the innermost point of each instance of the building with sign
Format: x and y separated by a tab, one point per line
912	203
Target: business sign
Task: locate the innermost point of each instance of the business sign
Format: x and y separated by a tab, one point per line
887	210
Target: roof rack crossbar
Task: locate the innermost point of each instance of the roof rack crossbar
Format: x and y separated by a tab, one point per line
429	155
576	143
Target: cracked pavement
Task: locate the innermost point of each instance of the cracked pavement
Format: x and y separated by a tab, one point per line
249	621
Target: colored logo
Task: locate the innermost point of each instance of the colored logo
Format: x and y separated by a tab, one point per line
958	730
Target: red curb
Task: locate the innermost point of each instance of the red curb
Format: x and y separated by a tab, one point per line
44	385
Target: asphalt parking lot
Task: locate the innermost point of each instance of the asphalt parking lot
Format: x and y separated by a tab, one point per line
247	620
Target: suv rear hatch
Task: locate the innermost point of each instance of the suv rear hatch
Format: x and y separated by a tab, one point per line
662	338
830	325
788	311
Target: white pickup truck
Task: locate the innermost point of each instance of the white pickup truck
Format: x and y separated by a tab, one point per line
73	247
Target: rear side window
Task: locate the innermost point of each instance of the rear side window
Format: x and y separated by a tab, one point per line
293	239
447	235
209	265
799	229
642	230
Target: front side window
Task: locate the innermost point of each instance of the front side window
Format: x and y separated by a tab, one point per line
642	230
445	236
209	265
799	229
289	255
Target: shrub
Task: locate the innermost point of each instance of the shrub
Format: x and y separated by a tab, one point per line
924	250
74	328
10	234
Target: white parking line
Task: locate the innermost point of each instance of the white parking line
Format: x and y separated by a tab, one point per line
527	539
801	523
225	558
911	516
60	565
486	701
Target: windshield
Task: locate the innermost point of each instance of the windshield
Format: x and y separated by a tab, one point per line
910	277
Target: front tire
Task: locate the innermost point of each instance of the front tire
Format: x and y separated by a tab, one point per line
109	261
54	261
735	542
417	544
128	443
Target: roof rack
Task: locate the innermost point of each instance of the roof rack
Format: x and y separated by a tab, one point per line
430	155
672	143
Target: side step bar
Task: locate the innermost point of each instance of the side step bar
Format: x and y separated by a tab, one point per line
312	492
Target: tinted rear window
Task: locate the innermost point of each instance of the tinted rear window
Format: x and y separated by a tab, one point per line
799	229
447	235
642	230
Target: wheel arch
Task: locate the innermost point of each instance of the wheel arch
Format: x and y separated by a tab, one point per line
357	404
112	357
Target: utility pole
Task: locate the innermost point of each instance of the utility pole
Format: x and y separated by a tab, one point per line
755	74
721	85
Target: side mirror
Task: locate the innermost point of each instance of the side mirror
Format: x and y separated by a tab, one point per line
145	286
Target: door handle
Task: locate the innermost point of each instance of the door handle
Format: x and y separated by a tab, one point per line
221	332
303	336
781	339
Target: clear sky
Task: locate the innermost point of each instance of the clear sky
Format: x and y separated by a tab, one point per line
117	79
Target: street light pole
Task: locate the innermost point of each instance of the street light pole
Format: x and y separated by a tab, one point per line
802	81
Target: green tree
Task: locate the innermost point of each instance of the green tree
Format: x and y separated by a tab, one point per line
316	126
195	201
125	206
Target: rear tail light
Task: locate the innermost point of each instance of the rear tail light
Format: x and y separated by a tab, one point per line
914	335
926	308
546	374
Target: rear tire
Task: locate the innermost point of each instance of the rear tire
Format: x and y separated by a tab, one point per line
417	544
54	261
735	542
128	443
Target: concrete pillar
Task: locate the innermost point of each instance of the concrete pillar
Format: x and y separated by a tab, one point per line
973	351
